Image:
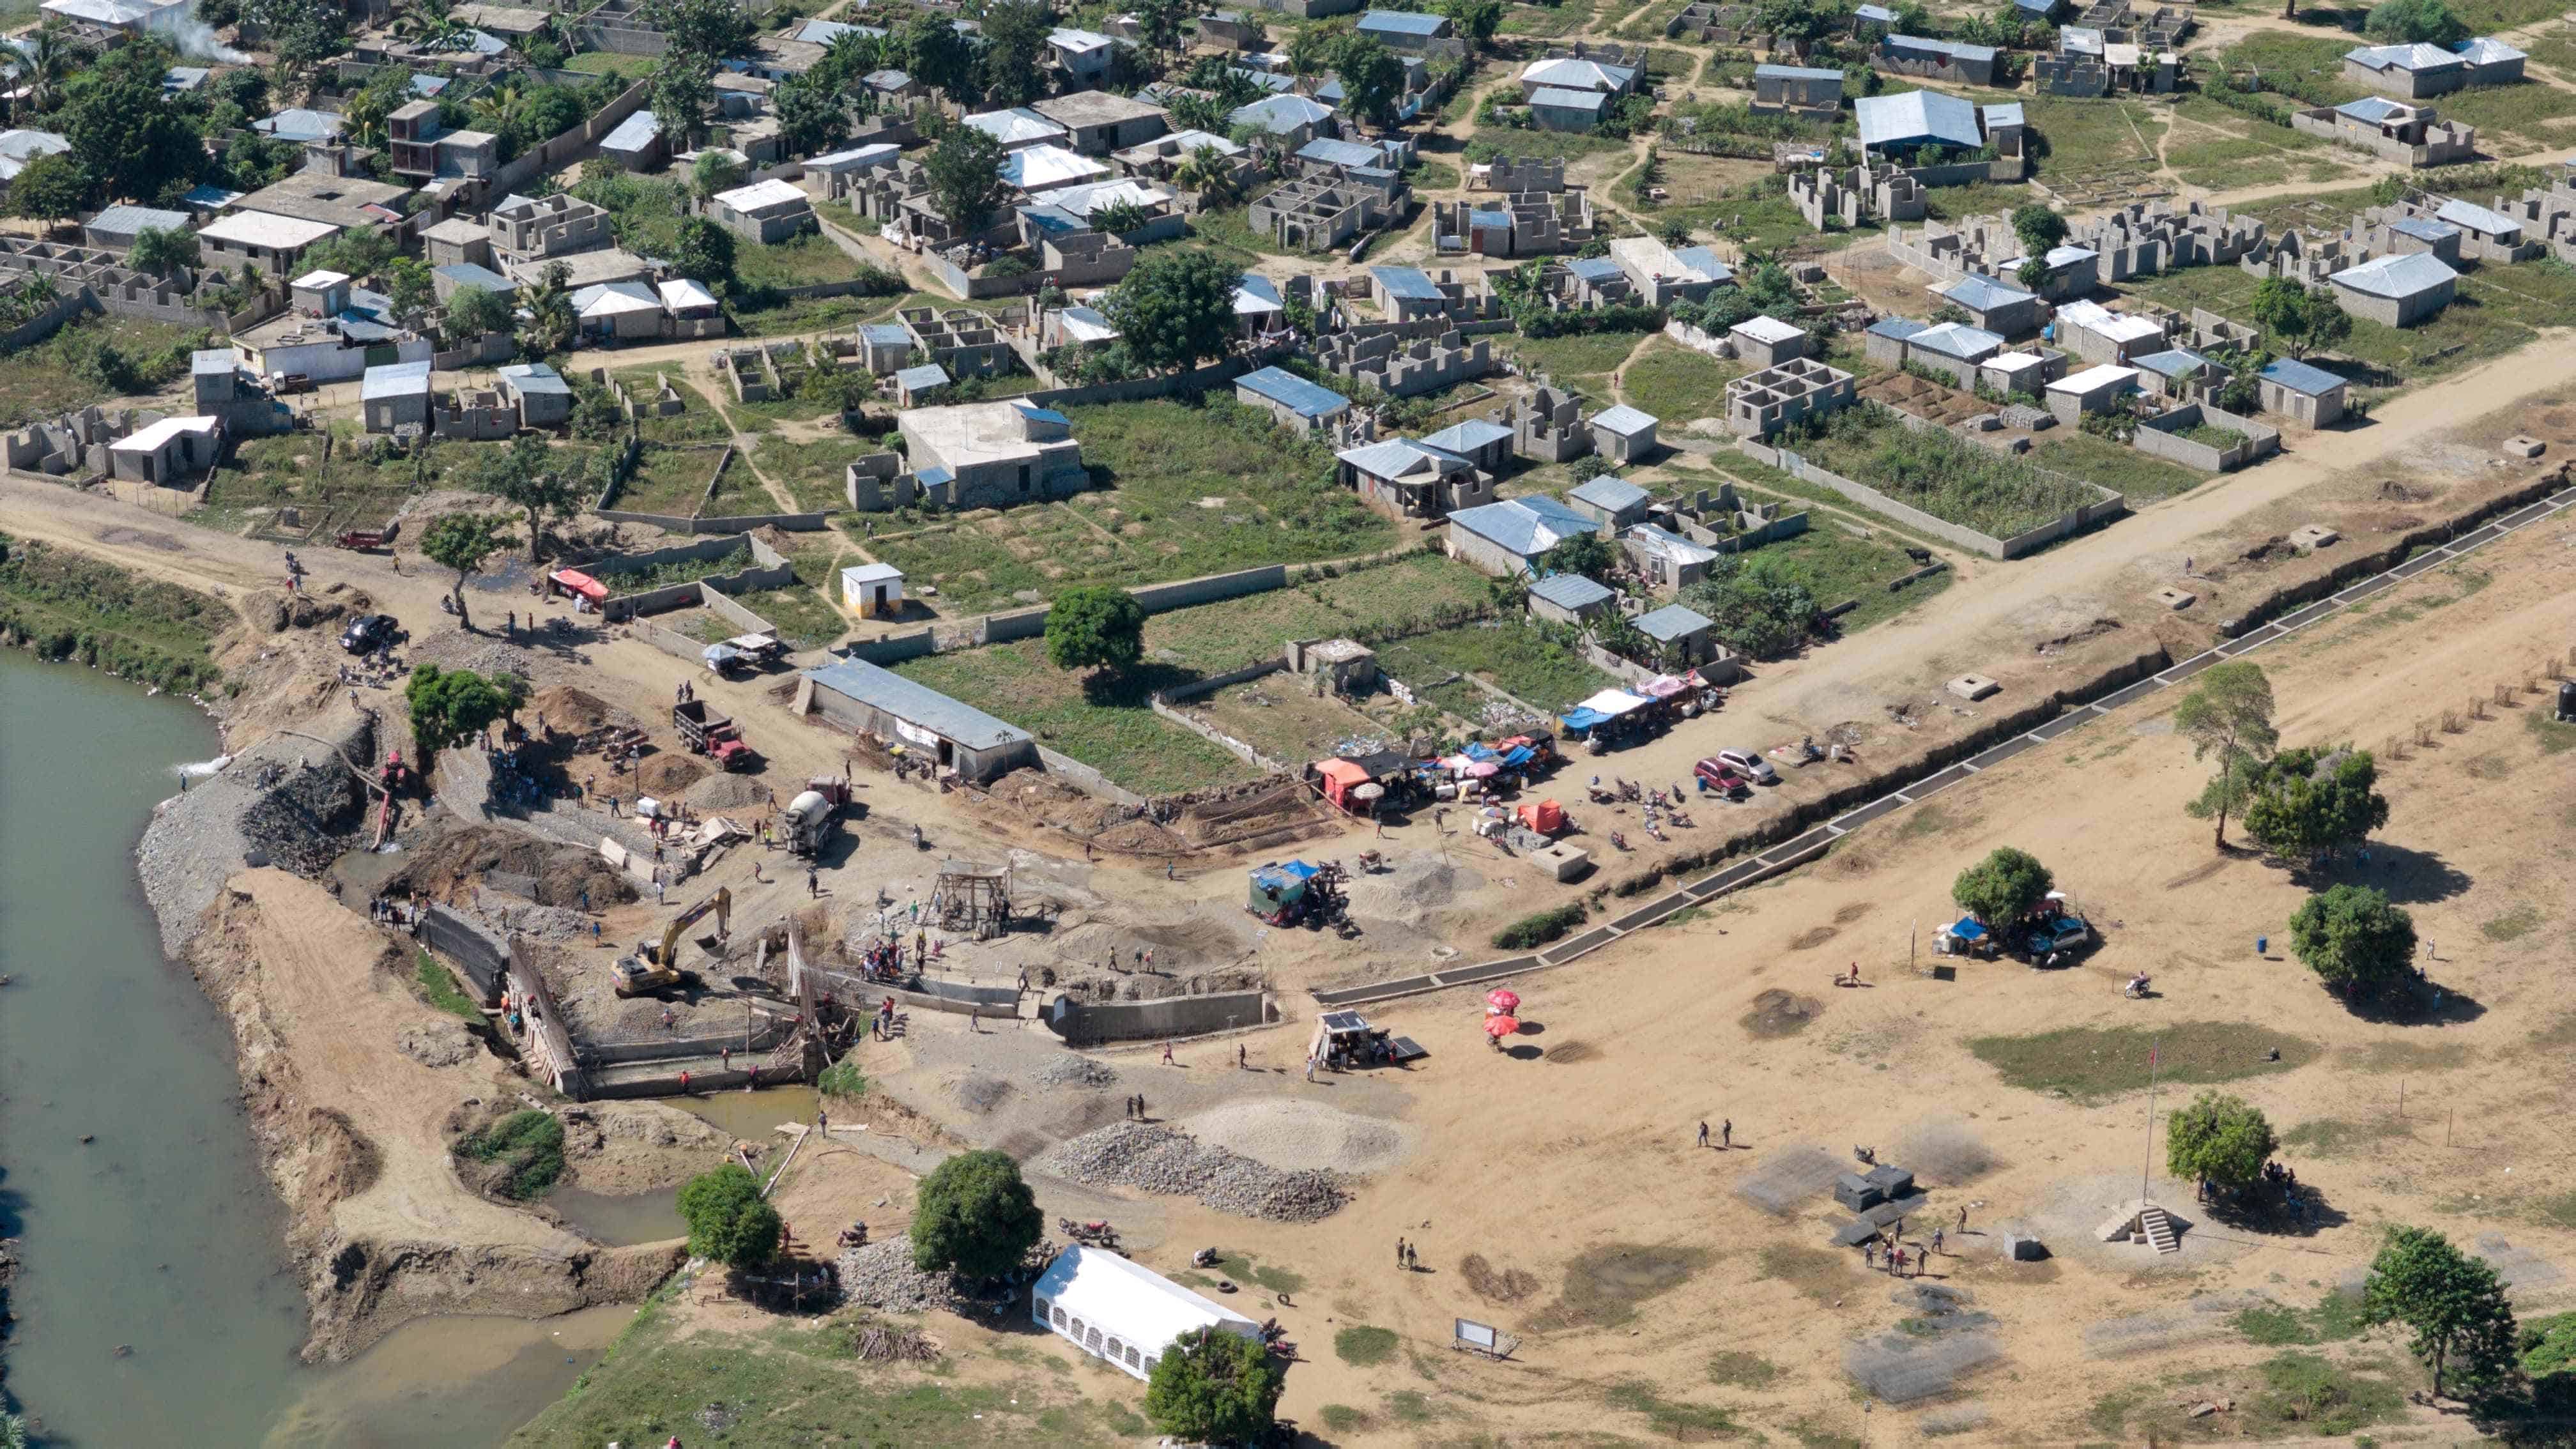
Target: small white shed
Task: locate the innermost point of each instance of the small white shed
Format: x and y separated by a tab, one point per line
874	589
1121	1311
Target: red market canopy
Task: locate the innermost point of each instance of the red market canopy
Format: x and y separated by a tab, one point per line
1499	1027
1502	1001
582	584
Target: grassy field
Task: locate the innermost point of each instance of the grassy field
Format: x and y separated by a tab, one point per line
1180	490
2494	312
2532	113
71	606
1946	476
1105	723
803	261
2121	469
60	373
1839	566
288	469
1563	18
1677	384
2091	1064
601	62
1367	603
814	473
700	423
1228	229
2092	135
1428	175
1949	203
669	481
2251	152
1582	362
805	619
1512	654
1541	145
784	1383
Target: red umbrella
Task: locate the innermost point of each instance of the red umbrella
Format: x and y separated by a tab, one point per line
1502	1026
1502	1001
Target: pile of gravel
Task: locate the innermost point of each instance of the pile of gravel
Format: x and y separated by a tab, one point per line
1072	1069
881	1275
307	819
727	791
1160	1159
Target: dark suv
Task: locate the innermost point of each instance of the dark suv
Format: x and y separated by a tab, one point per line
367	633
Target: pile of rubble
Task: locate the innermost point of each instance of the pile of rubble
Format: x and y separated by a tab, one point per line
307	818
1071	1069
1162	1160
881	1275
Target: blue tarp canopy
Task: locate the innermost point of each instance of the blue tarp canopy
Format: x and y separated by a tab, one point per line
1298	870
1518	755
1580	718
1967	928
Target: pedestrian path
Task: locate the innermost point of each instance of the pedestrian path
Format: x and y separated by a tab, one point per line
1815	842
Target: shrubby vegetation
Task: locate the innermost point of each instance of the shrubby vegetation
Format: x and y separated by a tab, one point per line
69	606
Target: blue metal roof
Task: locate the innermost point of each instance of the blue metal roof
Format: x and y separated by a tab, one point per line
935	477
2173	362
2006	114
1672	622
1295	393
2041	8
1327	151
1485	220
1983	294
1624	420
1957	339
1037	414
885	334
1558	98
1611	495
2300	377
1402	22
394	379
923	378
1915	118
1524	526
1595	269
1796	72
2425	228
1410	283
467	274
1569	591
1900	328
1258	289
1468	436
535	377
916	703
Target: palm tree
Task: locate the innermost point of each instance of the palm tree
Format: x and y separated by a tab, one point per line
503	109
1208	172
49	56
427	23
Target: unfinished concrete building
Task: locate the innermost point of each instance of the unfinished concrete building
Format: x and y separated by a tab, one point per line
1517	174
2095	62
1864	195
1399	368
966	343
1978	246
2485	234
2548	213
2164	28
2304	257
1522	224
1547	426
2146	237
2409	135
1762	403
1320	210
1711	23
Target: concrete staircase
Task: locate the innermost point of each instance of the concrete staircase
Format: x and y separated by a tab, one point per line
2157	1229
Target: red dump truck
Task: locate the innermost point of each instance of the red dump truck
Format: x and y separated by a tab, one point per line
709	732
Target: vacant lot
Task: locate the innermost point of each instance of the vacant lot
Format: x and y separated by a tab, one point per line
668	481
1103	721
356	484
1410	594
1179	491
2095	137
2221	149
815	472
1535	665
698	422
2122	469
1839	566
65	372
1946	476
1678	385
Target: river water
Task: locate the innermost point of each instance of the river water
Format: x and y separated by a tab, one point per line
154	1304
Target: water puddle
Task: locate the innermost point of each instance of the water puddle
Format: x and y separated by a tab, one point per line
621	1219
751	1116
439	1382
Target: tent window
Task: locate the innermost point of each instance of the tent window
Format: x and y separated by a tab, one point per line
1059	1318
1116	1349
1038	1309
1091	1340
1134	1359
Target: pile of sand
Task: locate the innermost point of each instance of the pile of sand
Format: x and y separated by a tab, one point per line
727	792
1412	887
576	711
666	776
1300	1136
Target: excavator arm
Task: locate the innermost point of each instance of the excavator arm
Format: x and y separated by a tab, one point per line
721	903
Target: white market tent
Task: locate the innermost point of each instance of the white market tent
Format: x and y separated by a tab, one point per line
1116	1310
1614	703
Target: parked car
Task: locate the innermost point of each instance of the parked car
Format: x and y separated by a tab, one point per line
286	383
1749	764
1720	778
368	632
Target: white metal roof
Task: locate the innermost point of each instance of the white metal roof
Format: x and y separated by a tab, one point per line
611	298
266	229
2116	326
759	194
679	293
2478	218
112	13
394	379
151	439
2399	274
2094	379
1624	420
1131	1301
1770	330
319	279
1037	168
1019	124
870	573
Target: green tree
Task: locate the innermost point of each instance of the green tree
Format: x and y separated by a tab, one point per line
473	311
1476	20
2002	888
2038	227
1312	49
2032	274
462	541
1163	22
2315	803
810	118
450	706
1015	52
1588	554
300	32
1210	173
683	88
2300	319
714	171
974	1216
2402	22
2358	943
1176	306
1797	24
703	251
728	1221
2229	714
409	286
1761	608
552	324
357	252
965	176
53	187
1214	1387
712	28
1095	626
2455	1303
1372	78
2218	1137
162	250
130	140
935	54
523	475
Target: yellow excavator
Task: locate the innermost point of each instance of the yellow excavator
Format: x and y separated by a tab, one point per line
652	968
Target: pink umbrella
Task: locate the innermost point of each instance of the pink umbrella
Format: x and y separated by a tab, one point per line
1484	769
1502	1001
1499	1027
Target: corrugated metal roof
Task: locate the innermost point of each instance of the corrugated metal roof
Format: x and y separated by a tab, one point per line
1662	541
1017	124
1327	151
1901	329
1570	73
534	377
2486	50
469	274
1469	436
2424	228
2417	59
1560	98
1624	420
1959	340
632	134
1280	114
2173	362
128	220
1306	399
1769	331
885	334
2009	114
2410	274
1917	117
1254	292
1956	50
2095	379
916	703
2300	377
1569	591
2371	110
211	362
394	379
1524	526
1410	283
1672	622
1611	495
2477	218
1403	22
1796	72
1394	458
1982	294
1594	269
923	378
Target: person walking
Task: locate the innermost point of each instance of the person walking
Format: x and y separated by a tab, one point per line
1239	1057
1936	1240
813	885
1963	1218
1399	1252
1310	1066
1726	1134
1167	1055
1703	1134
1141	1114
823	1122
1869	1253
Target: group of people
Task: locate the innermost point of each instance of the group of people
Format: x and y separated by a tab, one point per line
386	911
881	1025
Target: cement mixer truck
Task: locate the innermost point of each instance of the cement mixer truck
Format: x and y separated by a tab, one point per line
807	821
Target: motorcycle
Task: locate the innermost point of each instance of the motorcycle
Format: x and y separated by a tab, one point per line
1090	1235
1371	862
1628	790
1679	820
1618	841
2137	990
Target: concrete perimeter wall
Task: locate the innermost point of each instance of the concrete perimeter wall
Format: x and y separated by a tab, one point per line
1173	1016
2111	505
